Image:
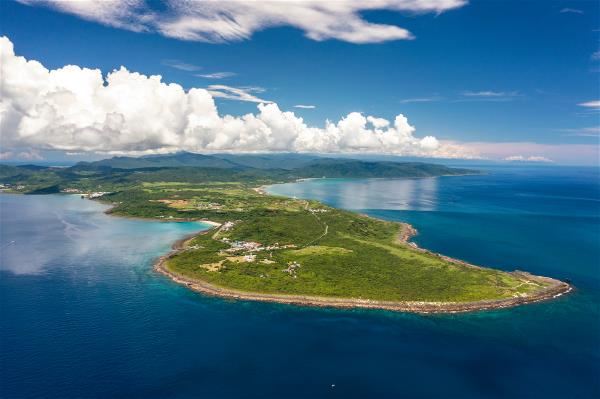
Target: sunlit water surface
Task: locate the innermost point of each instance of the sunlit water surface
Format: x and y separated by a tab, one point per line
82	314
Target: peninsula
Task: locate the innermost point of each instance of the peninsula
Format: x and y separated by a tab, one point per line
302	252
276	249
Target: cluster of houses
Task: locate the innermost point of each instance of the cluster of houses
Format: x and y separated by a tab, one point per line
8	186
249	249
90	195
252	246
317	210
227	226
208	205
292	269
237	246
96	194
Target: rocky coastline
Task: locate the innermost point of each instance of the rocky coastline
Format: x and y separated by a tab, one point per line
555	288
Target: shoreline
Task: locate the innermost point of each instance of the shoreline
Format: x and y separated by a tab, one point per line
556	289
109	212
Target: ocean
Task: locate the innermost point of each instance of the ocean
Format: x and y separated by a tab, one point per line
83	315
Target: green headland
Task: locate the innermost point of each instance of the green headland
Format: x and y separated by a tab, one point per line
278	249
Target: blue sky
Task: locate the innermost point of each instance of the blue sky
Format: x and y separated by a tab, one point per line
505	79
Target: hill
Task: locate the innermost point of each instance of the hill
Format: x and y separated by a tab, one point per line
287	161
353	168
180	159
117	173
301	165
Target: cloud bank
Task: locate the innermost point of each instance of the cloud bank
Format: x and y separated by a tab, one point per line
234	20
77	109
531	158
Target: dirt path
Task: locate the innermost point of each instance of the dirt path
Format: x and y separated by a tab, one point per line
322	223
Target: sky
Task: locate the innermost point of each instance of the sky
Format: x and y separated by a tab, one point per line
481	79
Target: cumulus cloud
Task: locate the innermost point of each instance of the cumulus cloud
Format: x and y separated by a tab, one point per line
223	21
77	109
305	106
532	158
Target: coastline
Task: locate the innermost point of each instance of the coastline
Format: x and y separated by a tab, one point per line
555	289
109	212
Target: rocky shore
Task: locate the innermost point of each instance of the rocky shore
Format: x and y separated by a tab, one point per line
407	232
554	289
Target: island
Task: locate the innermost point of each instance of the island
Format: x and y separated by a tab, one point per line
269	248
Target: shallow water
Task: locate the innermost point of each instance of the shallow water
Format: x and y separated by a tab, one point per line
83	314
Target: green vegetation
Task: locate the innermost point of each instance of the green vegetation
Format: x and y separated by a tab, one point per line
122	173
304	247
278	245
353	168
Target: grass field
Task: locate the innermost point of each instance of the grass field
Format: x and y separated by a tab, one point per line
304	247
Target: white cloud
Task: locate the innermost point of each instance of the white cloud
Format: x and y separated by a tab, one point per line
571	11
593	131
182	66
24	155
305	106
595	55
419	100
124	14
563	153
490	94
77	109
30	155
237	93
532	158
378	123
595	104
223	21
216	75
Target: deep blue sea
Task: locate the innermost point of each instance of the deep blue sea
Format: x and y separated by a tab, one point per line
82	314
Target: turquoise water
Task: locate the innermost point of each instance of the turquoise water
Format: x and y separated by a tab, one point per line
83	314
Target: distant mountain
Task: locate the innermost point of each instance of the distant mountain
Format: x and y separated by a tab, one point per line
287	161
329	167
302	165
177	160
187	159
19	170
115	173
9	171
